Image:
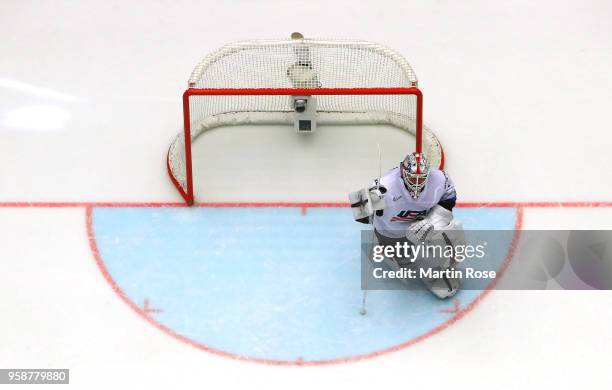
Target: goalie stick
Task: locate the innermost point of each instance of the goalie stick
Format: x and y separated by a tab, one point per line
363	310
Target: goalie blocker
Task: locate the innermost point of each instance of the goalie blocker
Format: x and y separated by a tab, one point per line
413	203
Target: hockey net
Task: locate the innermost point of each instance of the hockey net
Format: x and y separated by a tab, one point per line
253	82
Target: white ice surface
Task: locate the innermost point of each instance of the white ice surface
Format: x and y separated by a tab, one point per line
518	93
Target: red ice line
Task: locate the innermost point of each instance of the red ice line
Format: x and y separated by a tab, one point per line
303	205
454	310
460	312
143	312
148	309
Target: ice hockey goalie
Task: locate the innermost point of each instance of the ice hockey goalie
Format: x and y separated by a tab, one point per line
413	203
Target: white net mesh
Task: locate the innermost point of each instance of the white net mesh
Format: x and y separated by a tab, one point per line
305	63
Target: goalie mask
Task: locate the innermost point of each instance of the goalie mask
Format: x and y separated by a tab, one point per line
414	170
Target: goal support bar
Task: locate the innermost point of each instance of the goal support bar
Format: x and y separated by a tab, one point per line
188	194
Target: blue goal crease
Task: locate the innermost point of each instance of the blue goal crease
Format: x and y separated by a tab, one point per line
268	283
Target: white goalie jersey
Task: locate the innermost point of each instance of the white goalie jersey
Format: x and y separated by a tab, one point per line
402	210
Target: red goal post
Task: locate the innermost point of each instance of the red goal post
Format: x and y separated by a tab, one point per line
234	96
